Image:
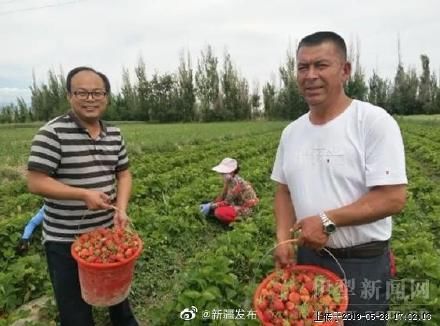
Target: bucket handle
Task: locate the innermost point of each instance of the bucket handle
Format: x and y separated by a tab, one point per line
130	223
295	240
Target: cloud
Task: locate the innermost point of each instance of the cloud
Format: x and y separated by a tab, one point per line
110	35
10	95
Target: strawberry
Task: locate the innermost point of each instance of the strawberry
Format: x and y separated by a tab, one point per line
294	297
294	314
326	300
309	286
278	305
262	304
268	315
290	305
277	287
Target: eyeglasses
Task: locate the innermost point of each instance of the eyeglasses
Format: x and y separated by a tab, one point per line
84	95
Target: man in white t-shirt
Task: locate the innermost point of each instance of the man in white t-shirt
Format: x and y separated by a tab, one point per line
340	173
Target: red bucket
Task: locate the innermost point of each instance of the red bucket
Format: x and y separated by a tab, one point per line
330	276
106	284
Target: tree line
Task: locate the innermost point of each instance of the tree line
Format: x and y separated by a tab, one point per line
216	91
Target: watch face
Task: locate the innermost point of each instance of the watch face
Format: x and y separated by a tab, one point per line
330	228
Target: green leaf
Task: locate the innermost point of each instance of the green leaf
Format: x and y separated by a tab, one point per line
191	294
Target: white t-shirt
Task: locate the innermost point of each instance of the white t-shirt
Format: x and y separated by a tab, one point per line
332	165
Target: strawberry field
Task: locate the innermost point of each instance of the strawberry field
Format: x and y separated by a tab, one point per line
189	261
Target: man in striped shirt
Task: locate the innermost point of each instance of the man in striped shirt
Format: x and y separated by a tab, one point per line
80	165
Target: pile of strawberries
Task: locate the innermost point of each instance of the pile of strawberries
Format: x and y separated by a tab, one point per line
107	245
296	297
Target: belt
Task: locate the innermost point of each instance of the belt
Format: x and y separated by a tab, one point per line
365	250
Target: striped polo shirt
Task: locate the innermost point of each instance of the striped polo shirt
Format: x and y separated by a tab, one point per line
64	150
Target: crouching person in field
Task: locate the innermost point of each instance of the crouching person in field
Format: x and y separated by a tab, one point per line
237	198
80	166
31	225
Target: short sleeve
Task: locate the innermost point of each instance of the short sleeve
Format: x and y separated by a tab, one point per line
384	153
123	162
45	153
277	171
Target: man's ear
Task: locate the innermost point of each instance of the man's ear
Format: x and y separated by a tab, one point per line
346	71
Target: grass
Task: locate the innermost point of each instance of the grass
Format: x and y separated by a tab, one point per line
421	117
15	141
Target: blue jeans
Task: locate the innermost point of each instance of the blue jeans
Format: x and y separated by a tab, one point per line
368	281
73	310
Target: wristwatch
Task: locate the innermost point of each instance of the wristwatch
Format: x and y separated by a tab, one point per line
328	225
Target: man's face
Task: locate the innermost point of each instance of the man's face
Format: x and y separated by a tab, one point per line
88	107
322	72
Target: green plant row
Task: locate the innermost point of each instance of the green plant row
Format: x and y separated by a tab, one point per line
177	229
415	238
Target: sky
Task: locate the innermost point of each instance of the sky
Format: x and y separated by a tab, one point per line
109	35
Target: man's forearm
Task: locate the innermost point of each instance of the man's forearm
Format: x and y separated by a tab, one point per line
284	213
124	190
41	184
377	204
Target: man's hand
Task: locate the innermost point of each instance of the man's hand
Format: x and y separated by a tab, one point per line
312	232
284	254
96	200
120	219
22	246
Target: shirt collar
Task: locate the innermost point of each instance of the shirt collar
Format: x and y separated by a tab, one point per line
78	122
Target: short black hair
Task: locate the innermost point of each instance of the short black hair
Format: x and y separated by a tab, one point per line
76	70
236	170
322	37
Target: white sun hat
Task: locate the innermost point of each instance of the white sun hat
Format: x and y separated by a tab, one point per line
227	165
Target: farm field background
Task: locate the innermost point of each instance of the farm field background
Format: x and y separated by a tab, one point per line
189	260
